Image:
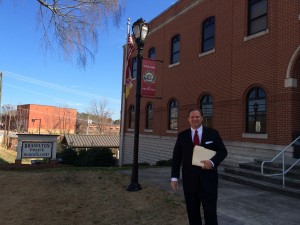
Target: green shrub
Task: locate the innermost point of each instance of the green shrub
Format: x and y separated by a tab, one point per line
102	157
97	156
145	164
164	162
68	156
83	155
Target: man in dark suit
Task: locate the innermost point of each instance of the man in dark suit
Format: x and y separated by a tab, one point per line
200	184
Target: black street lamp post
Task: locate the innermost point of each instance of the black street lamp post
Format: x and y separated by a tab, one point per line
140	30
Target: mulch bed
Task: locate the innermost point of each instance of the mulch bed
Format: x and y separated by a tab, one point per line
13	166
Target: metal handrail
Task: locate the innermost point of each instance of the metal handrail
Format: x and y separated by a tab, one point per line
284	171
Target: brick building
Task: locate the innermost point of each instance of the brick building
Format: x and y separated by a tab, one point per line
239	61
44	119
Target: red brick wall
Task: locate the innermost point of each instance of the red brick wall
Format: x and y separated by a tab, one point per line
230	72
53	120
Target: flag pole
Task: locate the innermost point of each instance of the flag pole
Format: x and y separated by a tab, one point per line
123	93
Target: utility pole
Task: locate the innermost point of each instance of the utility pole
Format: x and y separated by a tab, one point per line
1	101
0	94
4	132
9	118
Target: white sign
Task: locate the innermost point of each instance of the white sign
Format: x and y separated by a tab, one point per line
36	149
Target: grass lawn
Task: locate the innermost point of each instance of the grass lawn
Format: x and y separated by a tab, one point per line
82	196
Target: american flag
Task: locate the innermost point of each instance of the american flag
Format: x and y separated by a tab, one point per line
128	64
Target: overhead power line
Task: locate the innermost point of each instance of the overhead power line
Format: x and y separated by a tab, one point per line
54	86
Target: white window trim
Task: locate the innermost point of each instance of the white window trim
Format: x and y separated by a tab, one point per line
207	53
290	82
253	135
256	35
171	131
148	130
174	64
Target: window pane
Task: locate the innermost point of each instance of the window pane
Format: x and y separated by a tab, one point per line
152	53
208	45
149	119
175	54
173	124
258	9
131	117
175	58
173	112
258	25
251	94
176	38
173	115
258	16
256	111
261	93
207	110
209	32
206	105
176	47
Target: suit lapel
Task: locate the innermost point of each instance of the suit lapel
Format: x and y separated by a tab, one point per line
188	137
204	136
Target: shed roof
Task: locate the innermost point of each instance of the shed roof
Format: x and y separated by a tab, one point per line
88	141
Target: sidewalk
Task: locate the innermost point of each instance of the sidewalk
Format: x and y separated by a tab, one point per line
237	204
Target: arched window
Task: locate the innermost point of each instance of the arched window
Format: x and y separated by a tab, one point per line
151	54
131	117
257	16
208	34
134	68
175	52
173	115
149	116
256	111
206	106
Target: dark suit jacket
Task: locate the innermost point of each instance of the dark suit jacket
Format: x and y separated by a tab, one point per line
193	176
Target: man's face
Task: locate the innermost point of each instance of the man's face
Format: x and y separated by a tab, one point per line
195	119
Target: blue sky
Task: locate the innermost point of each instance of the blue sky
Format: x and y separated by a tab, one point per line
33	76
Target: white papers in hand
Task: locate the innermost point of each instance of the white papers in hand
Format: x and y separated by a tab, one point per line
200	153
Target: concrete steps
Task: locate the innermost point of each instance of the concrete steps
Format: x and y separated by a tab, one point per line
250	174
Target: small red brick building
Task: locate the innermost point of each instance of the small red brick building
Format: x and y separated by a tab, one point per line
46	119
239	61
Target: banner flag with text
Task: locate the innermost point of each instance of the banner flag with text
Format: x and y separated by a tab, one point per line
148	78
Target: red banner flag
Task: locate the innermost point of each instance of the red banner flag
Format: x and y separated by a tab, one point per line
148	78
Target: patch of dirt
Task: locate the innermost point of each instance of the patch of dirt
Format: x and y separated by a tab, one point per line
72	196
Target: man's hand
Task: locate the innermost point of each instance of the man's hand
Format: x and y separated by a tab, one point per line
174	185
207	165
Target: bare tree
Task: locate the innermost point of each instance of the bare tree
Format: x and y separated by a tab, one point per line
59	120
73	25
81	123
9	111
100	115
22	120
